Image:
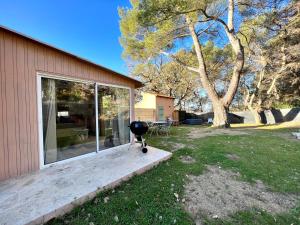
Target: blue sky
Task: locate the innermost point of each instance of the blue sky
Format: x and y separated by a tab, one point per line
89	29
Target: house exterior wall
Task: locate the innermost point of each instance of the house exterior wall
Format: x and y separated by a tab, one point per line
167	103
20	60
148	101
145	110
145	114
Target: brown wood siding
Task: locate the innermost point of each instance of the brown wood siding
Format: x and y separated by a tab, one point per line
20	60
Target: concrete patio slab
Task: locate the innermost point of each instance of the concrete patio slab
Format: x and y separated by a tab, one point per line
53	191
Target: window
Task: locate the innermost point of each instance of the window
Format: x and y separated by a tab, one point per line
160	113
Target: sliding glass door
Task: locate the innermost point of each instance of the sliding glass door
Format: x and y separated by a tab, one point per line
70	121
114	116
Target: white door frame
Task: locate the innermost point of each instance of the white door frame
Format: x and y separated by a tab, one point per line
39	77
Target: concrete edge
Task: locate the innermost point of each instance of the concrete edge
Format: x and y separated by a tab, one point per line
79	201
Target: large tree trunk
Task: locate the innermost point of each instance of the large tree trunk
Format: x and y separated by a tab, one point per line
249	100
256	115
220	105
220	115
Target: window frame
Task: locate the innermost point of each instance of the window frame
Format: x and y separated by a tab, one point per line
39	77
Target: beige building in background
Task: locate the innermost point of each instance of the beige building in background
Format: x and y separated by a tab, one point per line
154	107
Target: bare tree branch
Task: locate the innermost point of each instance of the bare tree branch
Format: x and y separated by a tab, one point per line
180	62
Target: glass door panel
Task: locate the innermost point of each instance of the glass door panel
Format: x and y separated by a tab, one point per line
113	116
69	122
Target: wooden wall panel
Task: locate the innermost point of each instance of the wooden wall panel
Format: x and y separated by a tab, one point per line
30	103
3	134
10	107
20	60
33	120
16	93
167	103
22	112
27	109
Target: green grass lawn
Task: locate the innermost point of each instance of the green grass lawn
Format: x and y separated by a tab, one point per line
149	198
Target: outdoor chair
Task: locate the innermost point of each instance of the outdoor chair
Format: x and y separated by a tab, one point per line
165	129
152	129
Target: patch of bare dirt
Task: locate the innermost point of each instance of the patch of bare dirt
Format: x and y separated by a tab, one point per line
187	159
173	146
206	132
233	157
218	194
176	146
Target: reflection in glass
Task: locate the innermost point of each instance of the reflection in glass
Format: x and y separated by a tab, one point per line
69	126
114	116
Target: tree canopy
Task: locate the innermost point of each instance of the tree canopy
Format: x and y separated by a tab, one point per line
271	76
218	42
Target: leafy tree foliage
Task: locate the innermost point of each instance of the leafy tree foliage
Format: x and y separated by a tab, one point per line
163	27
272	66
218	43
